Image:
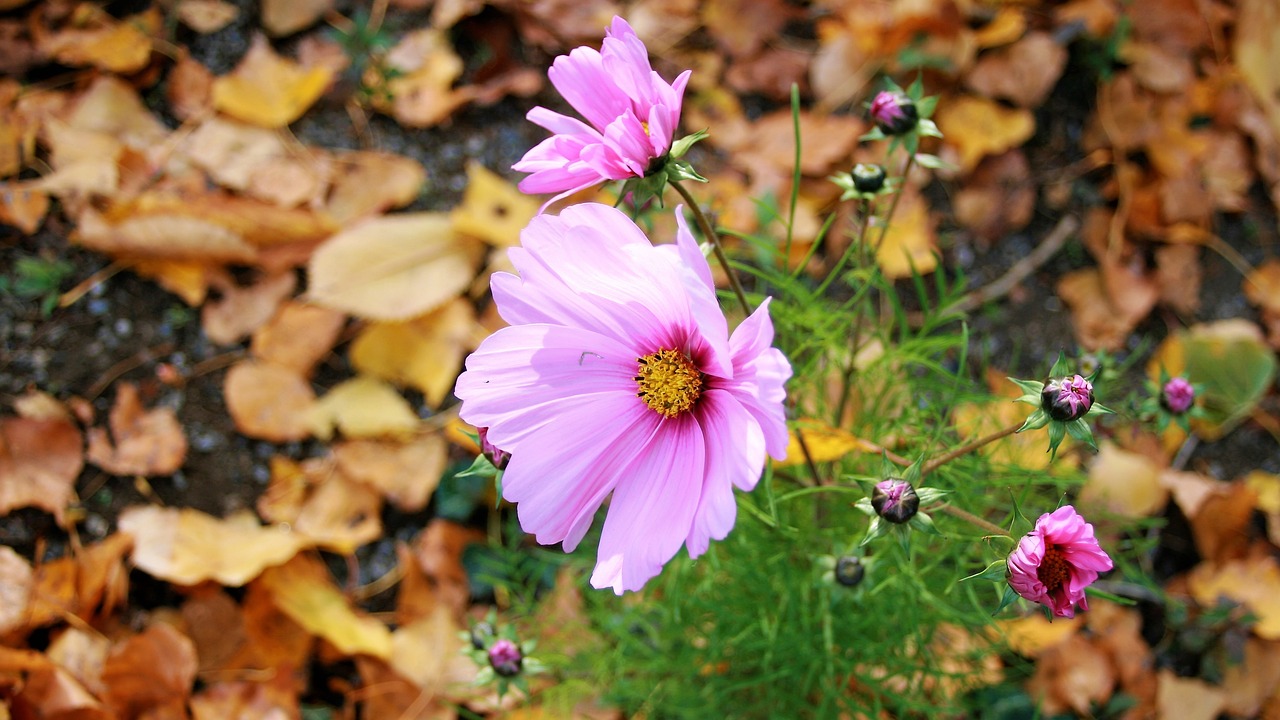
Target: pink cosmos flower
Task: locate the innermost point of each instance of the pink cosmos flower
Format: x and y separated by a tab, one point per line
617	375
1178	395
893	112
1056	561
1067	398
633	114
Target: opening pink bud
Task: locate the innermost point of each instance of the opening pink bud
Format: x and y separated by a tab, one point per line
894	113
895	500
505	658
1067	398
1178	395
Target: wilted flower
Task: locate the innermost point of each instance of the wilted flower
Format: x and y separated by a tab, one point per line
893	112
1056	561
1067	398
505	657
631	115
492	452
617	374
895	500
868	178
1178	395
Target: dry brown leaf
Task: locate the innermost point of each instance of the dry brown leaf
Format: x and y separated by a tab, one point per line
206	16
975	127
405	473
1266	487
298	337
268	90
146	442
370	183
1188	698
909	245
232	152
150	674
1025	450
303	590
1073	675
825	443
16	580
393	268
768	147
998	198
23	208
1253	582
244	700
286	17
1248	684
1098	16
164	237
121	47
243	309
1257	54
1007	26
416	595
742	29
492	209
214	623
1097	323
111	106
425	353
187	547
340	514
83	654
1221	526
1178	275
258	223
39	462
1124	483
438	550
422	92
273	640
1023	73
190	89
268	401
363	407
188	279
428	652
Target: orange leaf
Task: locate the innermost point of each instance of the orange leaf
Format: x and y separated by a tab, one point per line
976	127
39	462
146	442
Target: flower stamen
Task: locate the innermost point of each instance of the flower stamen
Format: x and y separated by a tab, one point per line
669	382
1054	570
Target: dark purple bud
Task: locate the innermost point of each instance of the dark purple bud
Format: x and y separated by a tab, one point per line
505	658
850	571
895	500
497	456
868	178
1178	395
894	113
1067	398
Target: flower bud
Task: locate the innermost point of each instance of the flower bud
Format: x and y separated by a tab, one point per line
868	178
495	455
481	634
1178	395
1067	398
894	113
895	500
505	658
850	571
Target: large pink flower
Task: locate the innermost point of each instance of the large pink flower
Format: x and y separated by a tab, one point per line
632	111
1056	561
617	375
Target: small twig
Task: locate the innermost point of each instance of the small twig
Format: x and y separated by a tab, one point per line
714	238
966	449
1047	248
972	519
71	296
136	360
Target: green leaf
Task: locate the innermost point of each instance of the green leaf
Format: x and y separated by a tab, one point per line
681	146
1008	598
1061	368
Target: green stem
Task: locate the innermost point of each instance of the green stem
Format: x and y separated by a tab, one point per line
972	519
893	206
966	449
714	238
855	338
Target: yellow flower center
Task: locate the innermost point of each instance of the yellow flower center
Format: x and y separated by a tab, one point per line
1054	570
669	382
645	125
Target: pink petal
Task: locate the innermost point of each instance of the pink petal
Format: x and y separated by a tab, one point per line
735	456
626	60
581	79
760	373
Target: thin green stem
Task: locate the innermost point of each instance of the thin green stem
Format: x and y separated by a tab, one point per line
966	449
714	238
855	338
972	519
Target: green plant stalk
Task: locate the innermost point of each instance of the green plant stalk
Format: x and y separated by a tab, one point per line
716	245
795	173
855	339
968	448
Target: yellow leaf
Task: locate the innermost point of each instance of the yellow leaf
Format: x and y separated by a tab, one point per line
268	90
976	127
1125	483
303	590
1029	636
187	547
371	182
1027	450
909	242
393	268
120	48
425	352
825	443
1254	582
362	407
492	209
1257	54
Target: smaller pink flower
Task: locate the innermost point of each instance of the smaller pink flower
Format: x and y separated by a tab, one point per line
1056	561
893	112
1178	395
631	117
505	658
1067	398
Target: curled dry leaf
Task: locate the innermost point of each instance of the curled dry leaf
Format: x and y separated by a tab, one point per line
428	652
121	47
422	92
268	90
321	502
975	127
393	268
743	29
231	152
405	473
1187	698
147	442
304	591
298	337
363	407
1098	324
1073	675
244	700
113	107
23	208
39	463
999	198
190	88
425	353
1023	73
1247	685
83	654
164	237
1266	487
243	309
439	553
187	547
150	674
268	401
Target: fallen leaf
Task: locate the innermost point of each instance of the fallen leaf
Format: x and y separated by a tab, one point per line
245	700
405	473
1222	526
213	621
492	209
298	337
286	17
999	198
23	208
425	353
243	309
428	652
1266	487
1158	68
1072	675
112	107
188	279
1257	54
363	407
1031	635
39	462
83	654
741	30
268	401
304	591
393	268
1098	324
268	90
273	640
190	88
1124	483
1097	16
1007	26
438	550
369	183
150	674
1027	450
340	514
121	47
16	580
206	16
908	245
232	152
1178	275
146	442
421	89
825	443
1023	73
1262	286
186	547
1254	582
1188	698
976	127
164	237
1248	684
